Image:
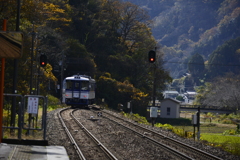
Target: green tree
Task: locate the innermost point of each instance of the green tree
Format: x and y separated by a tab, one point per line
196	67
224	59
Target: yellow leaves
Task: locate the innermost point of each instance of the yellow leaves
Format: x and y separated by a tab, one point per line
127	88
55	13
59	19
47	71
53	8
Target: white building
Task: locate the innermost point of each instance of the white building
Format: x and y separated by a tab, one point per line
190	95
170	108
170	94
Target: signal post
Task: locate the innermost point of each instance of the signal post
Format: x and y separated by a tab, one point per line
153	110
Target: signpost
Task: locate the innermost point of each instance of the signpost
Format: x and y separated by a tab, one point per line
196	123
33	105
153	114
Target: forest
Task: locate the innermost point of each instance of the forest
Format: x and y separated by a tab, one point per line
106	39
184	28
110	40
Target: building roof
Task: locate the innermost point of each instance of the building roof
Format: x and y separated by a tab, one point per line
191	92
171	99
171	92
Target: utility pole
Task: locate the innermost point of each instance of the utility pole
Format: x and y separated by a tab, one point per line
32	54
31	80
15	74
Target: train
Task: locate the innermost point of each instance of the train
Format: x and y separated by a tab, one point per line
78	91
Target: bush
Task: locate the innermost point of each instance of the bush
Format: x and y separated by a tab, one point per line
175	121
53	102
136	117
229	132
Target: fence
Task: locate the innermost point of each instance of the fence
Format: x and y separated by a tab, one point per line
26	114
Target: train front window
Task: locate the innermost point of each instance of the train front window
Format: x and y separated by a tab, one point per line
85	85
68	84
76	85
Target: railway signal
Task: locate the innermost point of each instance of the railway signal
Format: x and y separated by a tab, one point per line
43	60
152	56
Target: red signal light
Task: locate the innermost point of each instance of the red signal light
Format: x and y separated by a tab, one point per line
43	60
152	56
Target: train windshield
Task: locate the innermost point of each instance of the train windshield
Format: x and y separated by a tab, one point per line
68	84
85	85
77	85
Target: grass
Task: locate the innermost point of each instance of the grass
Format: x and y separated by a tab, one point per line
210	127
212	133
228	143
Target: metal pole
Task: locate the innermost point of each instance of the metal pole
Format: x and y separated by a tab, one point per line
2	86
198	123
32	49
44	116
154	87
62	71
31	81
20	122
15	72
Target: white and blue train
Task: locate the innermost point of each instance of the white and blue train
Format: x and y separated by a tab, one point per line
78	91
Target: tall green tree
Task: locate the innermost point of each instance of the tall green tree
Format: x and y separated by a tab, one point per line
225	59
196	67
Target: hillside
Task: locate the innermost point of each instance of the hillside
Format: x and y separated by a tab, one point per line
110	41
184	28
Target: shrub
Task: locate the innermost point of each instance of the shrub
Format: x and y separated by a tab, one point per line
53	102
229	132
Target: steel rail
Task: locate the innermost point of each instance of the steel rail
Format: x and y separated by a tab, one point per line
203	153
110	155
175	152
79	152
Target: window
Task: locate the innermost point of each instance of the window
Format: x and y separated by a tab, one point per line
69	84
168	110
85	85
77	84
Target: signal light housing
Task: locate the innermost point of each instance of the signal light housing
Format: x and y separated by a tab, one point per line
152	56
43	60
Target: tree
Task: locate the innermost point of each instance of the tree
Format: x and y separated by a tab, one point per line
223	92
196	67
224	59
115	92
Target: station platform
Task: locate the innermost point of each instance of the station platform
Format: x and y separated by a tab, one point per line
32	152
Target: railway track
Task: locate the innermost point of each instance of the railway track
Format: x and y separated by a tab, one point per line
160	139
85	143
126	144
